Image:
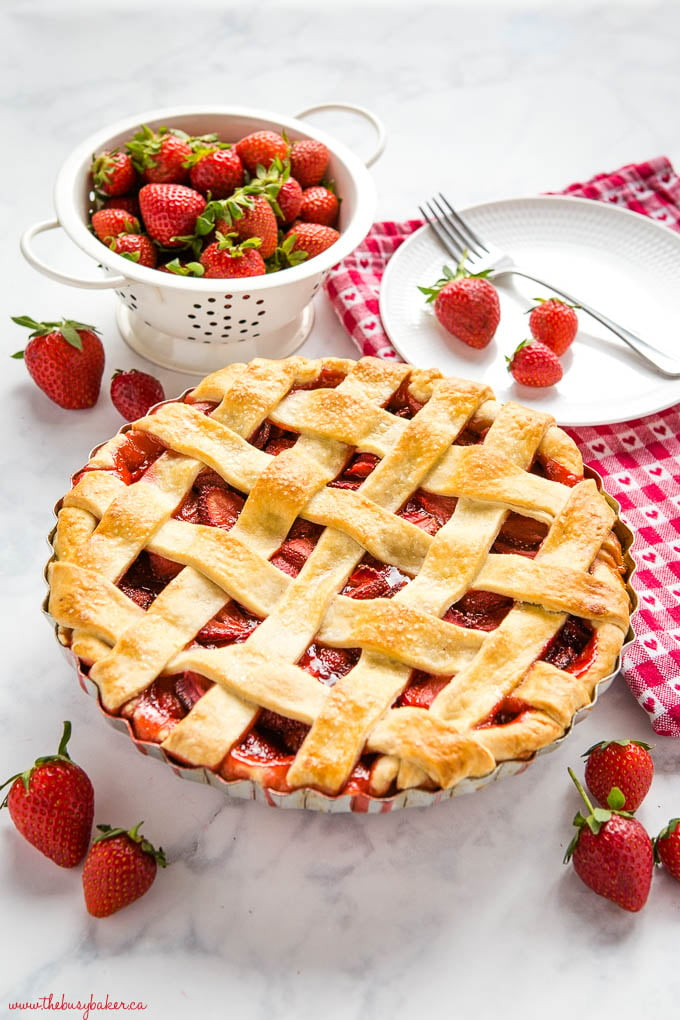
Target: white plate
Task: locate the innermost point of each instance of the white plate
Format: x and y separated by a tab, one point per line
624	264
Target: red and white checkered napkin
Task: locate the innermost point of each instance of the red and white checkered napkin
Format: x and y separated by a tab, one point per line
639	460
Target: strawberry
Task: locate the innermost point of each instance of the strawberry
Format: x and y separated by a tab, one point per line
261	149
534	364
224	260
667	848
170	212
219	507
554	323
135	247
52	806
179	268
466	305
257	221
127	202
65	359
619	773
162	156
134	392
289	200
612	854
218	171
319	205
228	625
120	867
312	238
108	223
308	161
113	174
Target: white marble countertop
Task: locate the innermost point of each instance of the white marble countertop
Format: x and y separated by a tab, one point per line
463	908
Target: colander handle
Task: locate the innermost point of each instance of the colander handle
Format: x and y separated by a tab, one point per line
55	274
361	111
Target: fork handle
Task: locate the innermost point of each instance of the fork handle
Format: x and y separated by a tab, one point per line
659	360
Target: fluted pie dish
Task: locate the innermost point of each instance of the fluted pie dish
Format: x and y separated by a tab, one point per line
340	585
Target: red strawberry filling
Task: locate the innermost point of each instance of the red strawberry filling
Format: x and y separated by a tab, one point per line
374	580
547	468
573	648
423	688
269	747
520	535
507	710
480	610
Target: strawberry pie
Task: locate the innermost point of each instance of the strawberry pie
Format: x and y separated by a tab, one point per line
353	578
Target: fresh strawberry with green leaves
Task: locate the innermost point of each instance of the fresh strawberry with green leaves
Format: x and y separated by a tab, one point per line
120	867
667	848
113	174
312	238
257	220
308	161
466	304
218	171
619	773
534	364
319	205
612	854
554	323
52	805
134	392
162	156
179	268
170	212
286	255
109	223
65	359
136	248
289	200
223	259
261	148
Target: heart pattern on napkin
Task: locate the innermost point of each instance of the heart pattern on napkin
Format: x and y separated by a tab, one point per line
639	461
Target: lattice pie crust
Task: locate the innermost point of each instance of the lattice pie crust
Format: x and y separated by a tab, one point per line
499	693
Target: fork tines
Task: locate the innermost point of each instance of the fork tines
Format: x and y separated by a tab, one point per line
453	232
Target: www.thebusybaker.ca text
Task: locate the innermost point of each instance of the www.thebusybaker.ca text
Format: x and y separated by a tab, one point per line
83	1006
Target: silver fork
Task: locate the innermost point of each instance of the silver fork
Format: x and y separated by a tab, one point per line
461	241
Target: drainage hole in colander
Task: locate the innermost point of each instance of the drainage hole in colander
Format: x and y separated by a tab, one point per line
227	306
212	299
242	322
208	333
262	312
190	315
228	297
256	323
243	331
196	325
196	306
246	297
260	301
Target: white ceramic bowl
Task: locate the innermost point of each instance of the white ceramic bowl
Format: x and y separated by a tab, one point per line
194	325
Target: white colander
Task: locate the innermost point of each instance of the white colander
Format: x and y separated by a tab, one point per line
194	325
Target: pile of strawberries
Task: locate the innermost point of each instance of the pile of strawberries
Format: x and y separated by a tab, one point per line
199	206
52	806
467	306
612	851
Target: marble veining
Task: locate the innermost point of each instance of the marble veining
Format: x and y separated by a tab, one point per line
464	908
